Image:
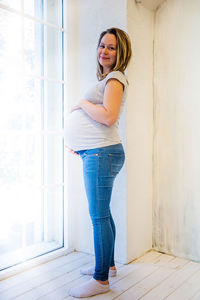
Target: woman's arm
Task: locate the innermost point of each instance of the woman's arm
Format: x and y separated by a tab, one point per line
107	113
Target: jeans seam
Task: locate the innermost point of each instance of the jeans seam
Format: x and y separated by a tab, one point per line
92	154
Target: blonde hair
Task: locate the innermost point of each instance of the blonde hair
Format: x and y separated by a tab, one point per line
124	51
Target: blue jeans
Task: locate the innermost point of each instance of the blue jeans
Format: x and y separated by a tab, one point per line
100	167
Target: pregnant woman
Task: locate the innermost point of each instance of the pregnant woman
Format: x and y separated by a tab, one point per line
92	132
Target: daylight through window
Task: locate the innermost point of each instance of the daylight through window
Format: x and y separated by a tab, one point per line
31	129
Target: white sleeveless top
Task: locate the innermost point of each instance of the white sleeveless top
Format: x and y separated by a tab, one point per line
82	132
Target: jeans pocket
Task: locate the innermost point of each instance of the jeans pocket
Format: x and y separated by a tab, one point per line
116	163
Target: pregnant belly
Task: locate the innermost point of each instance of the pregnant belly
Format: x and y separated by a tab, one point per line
78	127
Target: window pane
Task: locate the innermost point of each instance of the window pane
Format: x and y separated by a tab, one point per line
43	50
12	3
33	47
34	8
53	206
53	106
31	142
20	222
20	196
32	106
10	67
31	214
53	12
52	53
53	126
28	226
53	162
20	159
49	10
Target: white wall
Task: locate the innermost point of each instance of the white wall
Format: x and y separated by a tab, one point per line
86	20
132	194
168	114
139	131
177	129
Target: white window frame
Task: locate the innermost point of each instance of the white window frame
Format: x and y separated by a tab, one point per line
65	249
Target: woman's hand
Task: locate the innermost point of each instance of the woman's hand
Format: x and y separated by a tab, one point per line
76	107
71	151
107	113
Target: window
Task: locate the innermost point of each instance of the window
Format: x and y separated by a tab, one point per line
31	129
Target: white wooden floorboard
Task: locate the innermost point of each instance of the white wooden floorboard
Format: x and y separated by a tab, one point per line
172	283
145	267
149	257
32	282
51	288
41	269
130	274
196	296
188	289
153	276
62	290
147	284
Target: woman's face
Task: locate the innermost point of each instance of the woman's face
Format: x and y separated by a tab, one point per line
107	52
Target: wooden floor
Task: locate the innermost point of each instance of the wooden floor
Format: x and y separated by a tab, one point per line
153	276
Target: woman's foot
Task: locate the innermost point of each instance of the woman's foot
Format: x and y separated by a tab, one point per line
89	288
106	282
90	271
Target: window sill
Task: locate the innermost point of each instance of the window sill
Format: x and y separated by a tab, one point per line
32	263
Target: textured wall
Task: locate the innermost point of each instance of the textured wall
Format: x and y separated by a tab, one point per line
176	205
174	112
